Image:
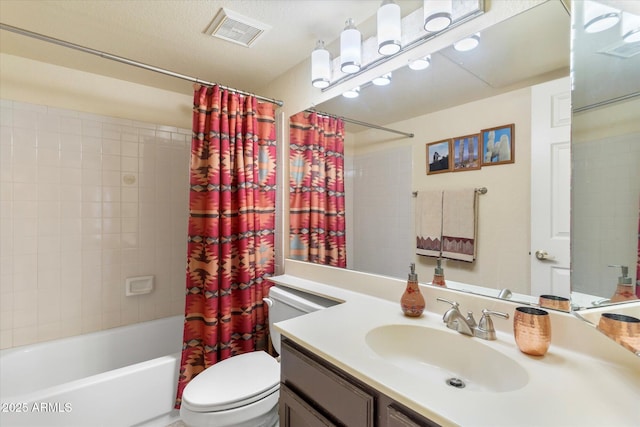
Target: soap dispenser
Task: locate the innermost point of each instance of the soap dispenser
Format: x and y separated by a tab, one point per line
438	276
624	289
412	301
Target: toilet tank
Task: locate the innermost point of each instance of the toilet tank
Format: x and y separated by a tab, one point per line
286	303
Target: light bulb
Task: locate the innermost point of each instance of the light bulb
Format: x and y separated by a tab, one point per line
437	15
320	66
389	28
420	63
350	48
383	80
352	93
468	43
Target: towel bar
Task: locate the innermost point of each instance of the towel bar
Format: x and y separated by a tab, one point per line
481	190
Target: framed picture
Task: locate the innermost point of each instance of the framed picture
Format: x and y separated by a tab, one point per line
438	157
466	153
498	145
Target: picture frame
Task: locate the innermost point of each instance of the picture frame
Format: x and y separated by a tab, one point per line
466	153
439	156
498	145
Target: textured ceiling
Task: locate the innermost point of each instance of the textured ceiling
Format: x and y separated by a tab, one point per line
170	35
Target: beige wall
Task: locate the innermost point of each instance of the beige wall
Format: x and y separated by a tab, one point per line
46	84
504	218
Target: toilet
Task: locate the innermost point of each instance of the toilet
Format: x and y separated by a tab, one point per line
243	391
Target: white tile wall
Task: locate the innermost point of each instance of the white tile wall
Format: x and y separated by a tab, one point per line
381	182
87	201
598	238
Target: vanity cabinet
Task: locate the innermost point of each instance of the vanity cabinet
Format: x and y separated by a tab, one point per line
314	393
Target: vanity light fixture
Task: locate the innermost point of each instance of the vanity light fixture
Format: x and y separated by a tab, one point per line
630	27
383	80
352	93
420	63
389	28
599	17
320	66
467	43
350	48
437	15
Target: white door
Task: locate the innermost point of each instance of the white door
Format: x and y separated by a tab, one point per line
550	188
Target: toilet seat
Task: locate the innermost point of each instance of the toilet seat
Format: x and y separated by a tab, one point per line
233	383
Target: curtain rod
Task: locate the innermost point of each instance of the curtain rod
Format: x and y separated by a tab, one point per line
360	123
129	61
480	190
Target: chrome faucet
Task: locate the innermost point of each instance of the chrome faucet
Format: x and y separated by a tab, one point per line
456	321
485	329
505	294
468	326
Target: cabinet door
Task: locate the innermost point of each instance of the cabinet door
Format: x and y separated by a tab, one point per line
396	418
335	395
295	412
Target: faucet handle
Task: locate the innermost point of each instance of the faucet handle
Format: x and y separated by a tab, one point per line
454	304
485	329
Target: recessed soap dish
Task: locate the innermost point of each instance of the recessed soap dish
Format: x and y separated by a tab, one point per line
138	285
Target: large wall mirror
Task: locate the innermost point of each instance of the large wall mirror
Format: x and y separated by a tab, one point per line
462	93
606	153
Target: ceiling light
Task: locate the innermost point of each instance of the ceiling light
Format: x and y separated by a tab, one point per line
420	63
383	80
352	93
389	28
599	17
350	48
437	15
630	27
468	43
320	66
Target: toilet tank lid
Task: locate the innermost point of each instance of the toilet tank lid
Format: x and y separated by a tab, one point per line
303	301
239	379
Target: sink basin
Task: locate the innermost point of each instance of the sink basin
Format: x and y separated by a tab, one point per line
450	358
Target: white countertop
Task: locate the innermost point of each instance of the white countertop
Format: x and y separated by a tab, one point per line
565	387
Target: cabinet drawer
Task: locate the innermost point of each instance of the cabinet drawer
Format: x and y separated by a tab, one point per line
398	418
295	412
333	395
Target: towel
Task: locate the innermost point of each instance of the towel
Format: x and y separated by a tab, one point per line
429	223
459	213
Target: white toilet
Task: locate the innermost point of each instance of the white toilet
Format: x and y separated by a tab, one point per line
242	391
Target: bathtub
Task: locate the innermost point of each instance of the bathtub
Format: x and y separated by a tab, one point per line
118	377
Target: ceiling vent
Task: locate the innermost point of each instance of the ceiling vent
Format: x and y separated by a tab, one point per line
236	28
621	49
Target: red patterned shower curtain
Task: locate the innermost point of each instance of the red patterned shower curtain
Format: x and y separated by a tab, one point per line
231	229
316	185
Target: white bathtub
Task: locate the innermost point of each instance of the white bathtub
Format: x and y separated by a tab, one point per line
119	377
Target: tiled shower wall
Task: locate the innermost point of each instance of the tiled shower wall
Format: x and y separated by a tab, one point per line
600	238
87	201
382	243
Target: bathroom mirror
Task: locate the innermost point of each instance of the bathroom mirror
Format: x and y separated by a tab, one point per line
605	154
454	79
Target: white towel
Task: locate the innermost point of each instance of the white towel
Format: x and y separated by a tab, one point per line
429	223
459	213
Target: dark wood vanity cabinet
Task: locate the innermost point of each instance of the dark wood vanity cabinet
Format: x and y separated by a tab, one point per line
314	393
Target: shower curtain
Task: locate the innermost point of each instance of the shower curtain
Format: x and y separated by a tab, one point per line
231	229
316	185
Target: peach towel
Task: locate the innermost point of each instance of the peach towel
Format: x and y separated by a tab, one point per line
429	223
459	224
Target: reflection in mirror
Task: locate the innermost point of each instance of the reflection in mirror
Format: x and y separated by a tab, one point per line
460	94
606	158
